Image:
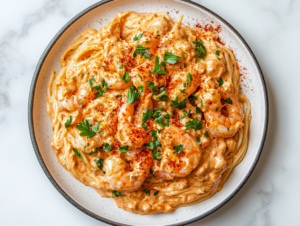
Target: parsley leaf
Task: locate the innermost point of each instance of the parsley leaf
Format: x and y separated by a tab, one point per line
180	105
182	90
146	116
218	52
68	122
132	95
184	65
163	95
100	90
84	127
206	134
194	124
95	151
151	171
153	87
155	193
121	67
192	97
123	149
170	58
126	77
202	103
189	77
157	67
136	38
200	50
95	128
141	50
133	177
198	110
159	119
150	145
91	81
147	191
178	149
107	147
228	101
77	153
116	193
186	114
198	140
221	82
141	87
156	155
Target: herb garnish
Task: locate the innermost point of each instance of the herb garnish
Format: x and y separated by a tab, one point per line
99	163
141	50
136	38
107	147
200	50
141	87
206	134
95	128
156	155
68	122
228	101
189	77
132	95
117	193
186	114
95	151
147	191
157	67
121	67
77	153
155	193
100	90
221	82
171	58
163	95
126	77
180	105
192	97
123	149
178	148
146	116
84	127
153	87
218	52
194	124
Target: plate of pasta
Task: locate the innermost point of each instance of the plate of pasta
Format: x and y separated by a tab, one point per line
148	112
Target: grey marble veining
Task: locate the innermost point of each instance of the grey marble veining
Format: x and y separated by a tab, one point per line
271	195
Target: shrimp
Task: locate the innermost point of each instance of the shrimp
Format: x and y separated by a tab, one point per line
128	133
225	126
128	175
175	164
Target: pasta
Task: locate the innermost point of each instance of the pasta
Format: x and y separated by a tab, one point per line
148	111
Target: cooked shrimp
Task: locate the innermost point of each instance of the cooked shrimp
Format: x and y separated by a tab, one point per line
225	126
128	134
128	175
173	164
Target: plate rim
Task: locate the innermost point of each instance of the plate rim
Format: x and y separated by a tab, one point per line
39	156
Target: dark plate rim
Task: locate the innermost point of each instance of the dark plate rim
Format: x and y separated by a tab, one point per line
42	163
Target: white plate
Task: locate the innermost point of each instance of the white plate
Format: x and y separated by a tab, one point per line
85	198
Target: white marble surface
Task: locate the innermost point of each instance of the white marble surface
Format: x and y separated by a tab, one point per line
271	195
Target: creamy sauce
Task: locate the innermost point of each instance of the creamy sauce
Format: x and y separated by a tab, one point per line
106	56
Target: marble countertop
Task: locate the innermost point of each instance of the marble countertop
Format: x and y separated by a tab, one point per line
270	196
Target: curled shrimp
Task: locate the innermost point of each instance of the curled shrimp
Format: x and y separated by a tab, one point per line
176	163
225	126
128	175
128	133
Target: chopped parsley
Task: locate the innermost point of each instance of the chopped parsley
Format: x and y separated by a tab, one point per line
206	134
171	58
95	128
184	65
189	77
155	193
198	110
218	52
91	81
107	147
186	114
228	101
132	95
146	116
147	191
117	193
99	163
156	155
123	149
157	67
192	97
179	105
150	145
87	144
151	171
84	127
126	77
95	151
77	153
159	118
184	52
133	177
221	82
200	50
202	103
194	124
104	67
100	90
68	122
141	87
182	90
178	148
136	38
198	140
153	87
121	67
141	50
163	95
